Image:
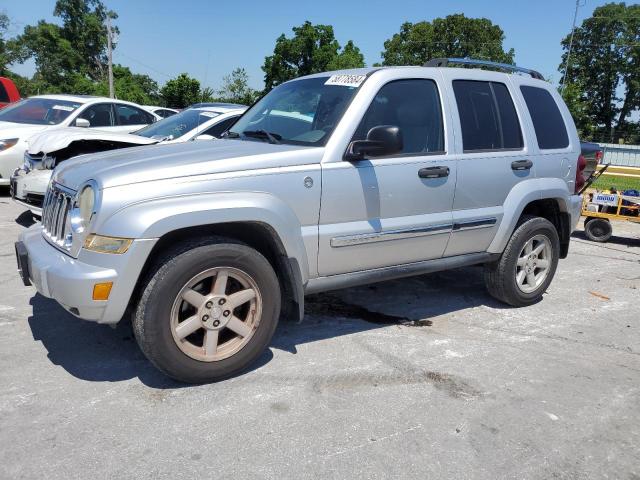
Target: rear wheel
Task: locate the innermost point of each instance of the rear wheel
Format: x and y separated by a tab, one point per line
208	311
598	229
527	265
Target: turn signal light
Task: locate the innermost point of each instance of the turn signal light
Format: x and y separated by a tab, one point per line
101	291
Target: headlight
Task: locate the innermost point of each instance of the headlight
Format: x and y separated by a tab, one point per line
102	244
7	143
84	208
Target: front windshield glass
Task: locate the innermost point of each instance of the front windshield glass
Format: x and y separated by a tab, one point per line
38	111
177	125
301	112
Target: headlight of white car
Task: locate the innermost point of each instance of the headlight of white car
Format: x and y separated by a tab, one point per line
84	207
7	143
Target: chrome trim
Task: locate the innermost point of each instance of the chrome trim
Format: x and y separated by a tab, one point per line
474	224
363	238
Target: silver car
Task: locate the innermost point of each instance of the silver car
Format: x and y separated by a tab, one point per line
330	180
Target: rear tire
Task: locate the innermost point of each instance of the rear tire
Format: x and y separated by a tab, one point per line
188	322
598	229
527	264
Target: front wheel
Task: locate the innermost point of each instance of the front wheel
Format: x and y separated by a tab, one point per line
209	310
527	265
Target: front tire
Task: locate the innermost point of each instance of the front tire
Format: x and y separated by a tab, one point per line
209	310
527	265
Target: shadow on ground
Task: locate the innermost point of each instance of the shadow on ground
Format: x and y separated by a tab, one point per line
614	240
98	353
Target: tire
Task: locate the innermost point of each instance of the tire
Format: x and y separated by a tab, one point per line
598	230
159	320
503	276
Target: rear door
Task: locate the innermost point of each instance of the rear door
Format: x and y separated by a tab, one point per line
491	153
130	118
384	211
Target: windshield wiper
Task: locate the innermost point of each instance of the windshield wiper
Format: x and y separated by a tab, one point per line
271	137
230	134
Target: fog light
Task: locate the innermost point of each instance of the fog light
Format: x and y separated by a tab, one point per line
101	291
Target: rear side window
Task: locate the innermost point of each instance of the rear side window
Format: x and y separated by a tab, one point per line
487	116
219	128
547	119
4	95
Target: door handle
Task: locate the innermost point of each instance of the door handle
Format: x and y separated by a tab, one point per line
521	165
433	172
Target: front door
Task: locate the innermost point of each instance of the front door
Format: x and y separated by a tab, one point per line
390	210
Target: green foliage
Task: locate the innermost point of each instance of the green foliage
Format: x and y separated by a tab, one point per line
235	88
452	36
573	95
129	86
180	92
605	61
312	49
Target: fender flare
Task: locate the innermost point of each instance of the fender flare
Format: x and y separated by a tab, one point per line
519	197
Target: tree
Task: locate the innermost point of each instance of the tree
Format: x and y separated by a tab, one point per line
133	87
312	49
67	55
452	36
180	92
235	88
573	95
605	62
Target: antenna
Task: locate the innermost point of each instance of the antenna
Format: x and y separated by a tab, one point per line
566	62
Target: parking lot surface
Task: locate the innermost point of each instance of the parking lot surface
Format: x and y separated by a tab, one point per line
426	377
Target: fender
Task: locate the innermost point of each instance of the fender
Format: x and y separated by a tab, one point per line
156	217
522	194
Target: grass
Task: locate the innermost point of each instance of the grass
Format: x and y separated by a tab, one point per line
605	182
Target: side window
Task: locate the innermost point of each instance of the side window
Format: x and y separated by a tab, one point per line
100	115
164	113
487	116
414	107
219	128
547	119
4	95
128	115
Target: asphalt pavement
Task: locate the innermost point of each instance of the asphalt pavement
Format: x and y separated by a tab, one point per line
426	377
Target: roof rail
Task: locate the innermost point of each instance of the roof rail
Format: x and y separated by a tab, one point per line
443	62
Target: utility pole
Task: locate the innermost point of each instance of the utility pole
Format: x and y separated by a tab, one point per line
110	53
566	63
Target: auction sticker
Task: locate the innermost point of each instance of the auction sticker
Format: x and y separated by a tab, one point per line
63	107
345	80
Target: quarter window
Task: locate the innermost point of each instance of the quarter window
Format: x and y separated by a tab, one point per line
414	107
488	117
551	131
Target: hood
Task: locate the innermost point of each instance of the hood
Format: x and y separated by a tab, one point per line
19	130
168	161
56	139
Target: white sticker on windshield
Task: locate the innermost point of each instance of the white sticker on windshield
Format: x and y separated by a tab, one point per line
209	114
345	80
63	107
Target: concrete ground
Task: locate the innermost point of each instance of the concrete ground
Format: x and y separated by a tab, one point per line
420	378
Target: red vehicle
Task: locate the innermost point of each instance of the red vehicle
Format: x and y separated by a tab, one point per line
8	92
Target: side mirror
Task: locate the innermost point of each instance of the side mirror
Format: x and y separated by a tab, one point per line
381	140
83	122
204	136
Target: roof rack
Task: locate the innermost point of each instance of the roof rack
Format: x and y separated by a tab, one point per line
443	62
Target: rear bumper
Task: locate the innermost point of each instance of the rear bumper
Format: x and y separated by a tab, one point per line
70	281
575	208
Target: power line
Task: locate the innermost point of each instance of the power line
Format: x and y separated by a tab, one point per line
573	31
119	53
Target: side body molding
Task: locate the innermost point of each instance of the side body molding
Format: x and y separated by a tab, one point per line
156	217
518	198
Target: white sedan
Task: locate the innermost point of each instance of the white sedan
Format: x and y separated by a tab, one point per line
47	149
33	115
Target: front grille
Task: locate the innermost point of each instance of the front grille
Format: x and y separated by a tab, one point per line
58	201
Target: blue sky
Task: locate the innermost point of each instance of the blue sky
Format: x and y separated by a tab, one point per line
207	39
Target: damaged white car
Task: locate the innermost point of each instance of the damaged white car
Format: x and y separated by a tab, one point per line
47	149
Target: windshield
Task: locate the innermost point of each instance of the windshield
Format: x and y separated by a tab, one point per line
38	111
177	125
301	112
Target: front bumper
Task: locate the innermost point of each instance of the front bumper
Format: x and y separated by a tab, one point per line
29	187
70	281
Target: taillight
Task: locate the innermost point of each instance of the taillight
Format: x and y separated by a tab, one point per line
580	181
599	156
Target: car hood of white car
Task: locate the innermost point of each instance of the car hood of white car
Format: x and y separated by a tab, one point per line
53	140
21	131
174	161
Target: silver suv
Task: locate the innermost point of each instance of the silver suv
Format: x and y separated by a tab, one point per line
330	180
